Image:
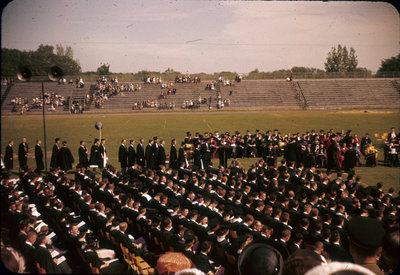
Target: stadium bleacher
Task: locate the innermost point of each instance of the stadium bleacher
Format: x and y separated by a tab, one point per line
245	95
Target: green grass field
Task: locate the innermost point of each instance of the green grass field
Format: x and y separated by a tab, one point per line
74	128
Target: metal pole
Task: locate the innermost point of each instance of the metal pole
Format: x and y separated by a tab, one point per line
44	129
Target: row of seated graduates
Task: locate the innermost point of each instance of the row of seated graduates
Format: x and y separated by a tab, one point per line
310	210
73	227
159	228
156	204
98	255
117	196
22	214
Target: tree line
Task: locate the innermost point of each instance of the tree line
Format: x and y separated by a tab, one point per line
340	62
39	61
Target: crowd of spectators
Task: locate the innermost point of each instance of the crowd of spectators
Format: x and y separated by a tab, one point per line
191	104
104	90
166	105
221	213
77	107
18	101
163	95
7	81
170	88
22	105
187	79
52	99
210	86
152	80
158	105
222	81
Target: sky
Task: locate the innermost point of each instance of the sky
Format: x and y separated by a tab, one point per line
203	36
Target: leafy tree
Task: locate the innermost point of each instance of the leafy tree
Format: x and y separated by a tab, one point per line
38	61
60	50
306	70
341	60
104	69
45	50
69	52
170	71
391	64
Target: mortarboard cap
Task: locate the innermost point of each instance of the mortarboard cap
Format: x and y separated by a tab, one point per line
366	232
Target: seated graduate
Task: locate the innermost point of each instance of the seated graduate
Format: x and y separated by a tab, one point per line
107	267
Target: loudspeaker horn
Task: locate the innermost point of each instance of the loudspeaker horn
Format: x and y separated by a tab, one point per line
24	74
55	73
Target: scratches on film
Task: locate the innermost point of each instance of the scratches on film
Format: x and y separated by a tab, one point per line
208	125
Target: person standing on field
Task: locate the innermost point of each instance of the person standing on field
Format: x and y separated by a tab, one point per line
66	158
39	157
123	156
23	155
9	156
54	155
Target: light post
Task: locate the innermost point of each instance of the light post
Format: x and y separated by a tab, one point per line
99	126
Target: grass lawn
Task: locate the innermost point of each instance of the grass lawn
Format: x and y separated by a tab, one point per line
74	128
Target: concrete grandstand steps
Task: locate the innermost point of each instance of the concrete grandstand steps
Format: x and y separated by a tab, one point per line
30	90
247	94
262	93
350	93
151	92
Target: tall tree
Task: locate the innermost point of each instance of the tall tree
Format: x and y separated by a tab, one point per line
69	52
38	61
391	64
341	60
104	69
60	50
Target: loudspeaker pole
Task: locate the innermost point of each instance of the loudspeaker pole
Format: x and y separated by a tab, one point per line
44	130
54	74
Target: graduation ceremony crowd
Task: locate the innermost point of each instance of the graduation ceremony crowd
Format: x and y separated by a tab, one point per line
179	213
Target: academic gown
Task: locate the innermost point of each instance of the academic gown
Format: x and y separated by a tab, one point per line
173	158
154	155
9	158
161	156
102	156
123	156
197	158
45	260
149	159
181	156
140	155
83	157
131	156
66	159
39	158
333	152
22	154
94	155
54	156
202	262
350	159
